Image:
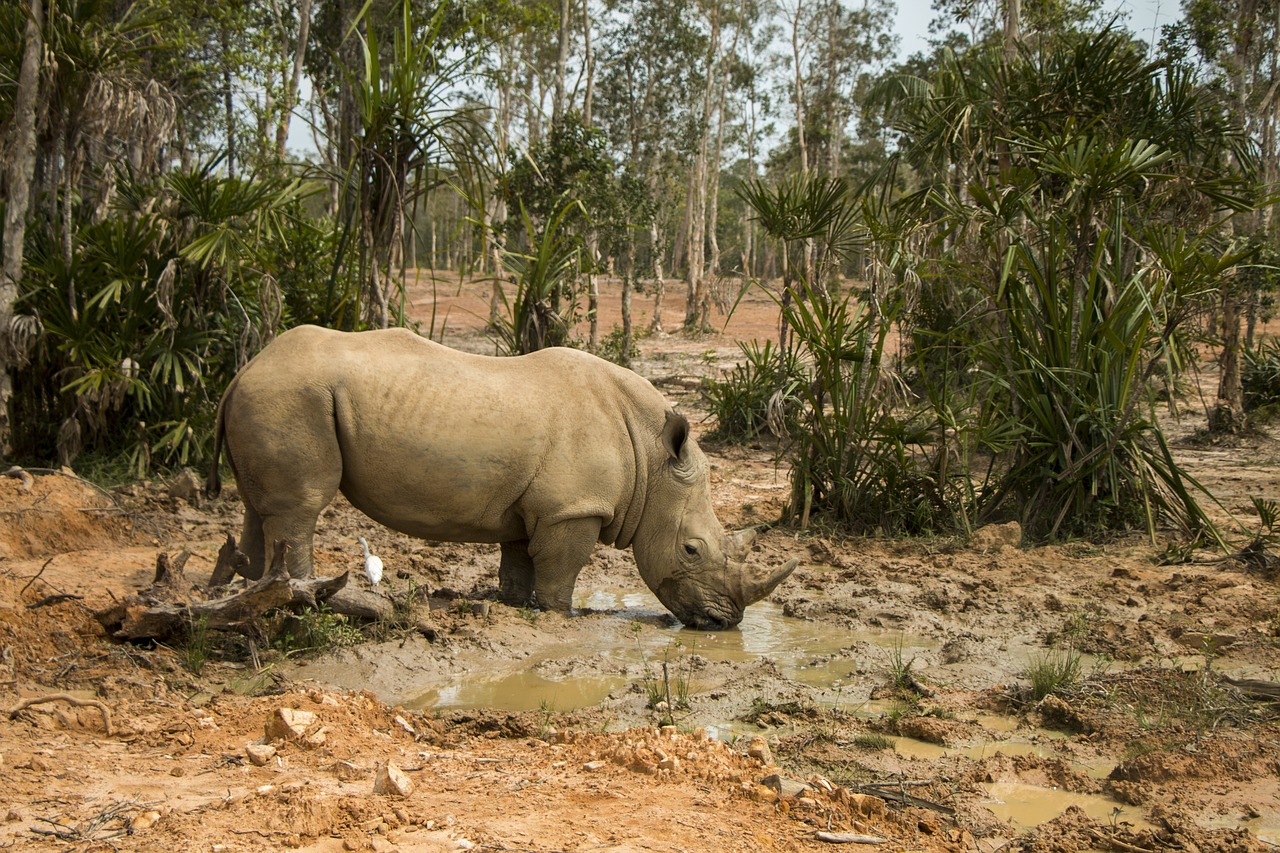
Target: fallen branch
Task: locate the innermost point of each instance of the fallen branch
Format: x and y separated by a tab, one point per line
137	618
848	838
1255	688
65	697
54	599
895	792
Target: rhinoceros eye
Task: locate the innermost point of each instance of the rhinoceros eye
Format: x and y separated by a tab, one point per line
691	549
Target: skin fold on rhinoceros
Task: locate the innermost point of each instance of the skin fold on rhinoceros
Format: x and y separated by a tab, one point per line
546	454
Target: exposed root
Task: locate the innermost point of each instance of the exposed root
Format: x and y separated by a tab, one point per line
64	697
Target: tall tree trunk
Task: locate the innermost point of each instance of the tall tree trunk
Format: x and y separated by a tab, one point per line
19	149
1227	415
655	236
713	190
628	277
798	85
562	62
228	107
1012	27
291	86
589	61
696	307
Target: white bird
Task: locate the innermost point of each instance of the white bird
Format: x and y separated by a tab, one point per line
372	563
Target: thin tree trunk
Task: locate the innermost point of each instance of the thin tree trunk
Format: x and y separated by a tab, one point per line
20	150
562	62
628	274
655	236
695	314
291	87
713	191
1227	415
589	61
798	85
228	107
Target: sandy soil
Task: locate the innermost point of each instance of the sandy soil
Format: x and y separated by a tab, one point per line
1156	750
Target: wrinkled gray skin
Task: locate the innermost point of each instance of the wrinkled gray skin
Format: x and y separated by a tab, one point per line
546	454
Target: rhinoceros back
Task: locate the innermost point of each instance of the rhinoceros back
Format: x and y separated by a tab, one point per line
437	443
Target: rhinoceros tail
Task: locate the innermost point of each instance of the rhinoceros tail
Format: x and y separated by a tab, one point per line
213	485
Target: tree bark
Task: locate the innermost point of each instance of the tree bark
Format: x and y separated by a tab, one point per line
20	146
1227	415
798	85
228	107
291	87
562	62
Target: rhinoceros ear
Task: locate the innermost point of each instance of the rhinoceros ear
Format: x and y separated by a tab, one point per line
675	432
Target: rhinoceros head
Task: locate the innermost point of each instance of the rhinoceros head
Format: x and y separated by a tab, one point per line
697	571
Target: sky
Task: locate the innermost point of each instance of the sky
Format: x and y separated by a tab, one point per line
1145	17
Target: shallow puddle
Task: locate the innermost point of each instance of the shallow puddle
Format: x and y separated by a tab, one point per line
1031	805
804	651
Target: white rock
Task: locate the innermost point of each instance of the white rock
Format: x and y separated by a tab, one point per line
260	753
289	724
391	780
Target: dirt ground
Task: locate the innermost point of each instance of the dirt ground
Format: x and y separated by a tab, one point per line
891	677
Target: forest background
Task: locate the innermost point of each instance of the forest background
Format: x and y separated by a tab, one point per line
1056	221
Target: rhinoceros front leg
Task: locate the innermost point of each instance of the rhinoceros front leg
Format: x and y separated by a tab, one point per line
559	552
515	574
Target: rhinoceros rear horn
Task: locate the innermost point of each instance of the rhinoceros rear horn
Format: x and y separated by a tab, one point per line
757	585
739	543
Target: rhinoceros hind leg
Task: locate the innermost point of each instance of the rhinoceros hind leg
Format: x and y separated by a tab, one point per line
515	574
559	552
252	545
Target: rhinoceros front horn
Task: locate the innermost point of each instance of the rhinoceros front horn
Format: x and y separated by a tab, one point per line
756	585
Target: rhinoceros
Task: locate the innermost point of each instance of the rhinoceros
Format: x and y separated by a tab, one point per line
546	454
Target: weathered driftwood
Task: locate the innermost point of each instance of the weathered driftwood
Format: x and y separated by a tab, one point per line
1255	688
360	604
145	617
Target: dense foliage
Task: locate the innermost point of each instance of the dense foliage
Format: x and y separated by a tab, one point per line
990	260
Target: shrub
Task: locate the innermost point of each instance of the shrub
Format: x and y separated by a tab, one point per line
741	402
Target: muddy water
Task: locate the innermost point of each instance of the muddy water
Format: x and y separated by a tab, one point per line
1031	805
559	679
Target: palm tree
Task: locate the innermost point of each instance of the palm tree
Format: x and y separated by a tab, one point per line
1070	263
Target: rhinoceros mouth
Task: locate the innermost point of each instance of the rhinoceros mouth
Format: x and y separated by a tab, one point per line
708	621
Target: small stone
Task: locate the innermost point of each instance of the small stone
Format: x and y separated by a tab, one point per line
759	750
13	816
382	845
464	844
141	823
289	724
669	763
40	764
316	738
177	770
186	486
867	805
259	753
593	766
391	780
784	786
669	731
404	724
351	844
994	538
345	771
265	790
1134	601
